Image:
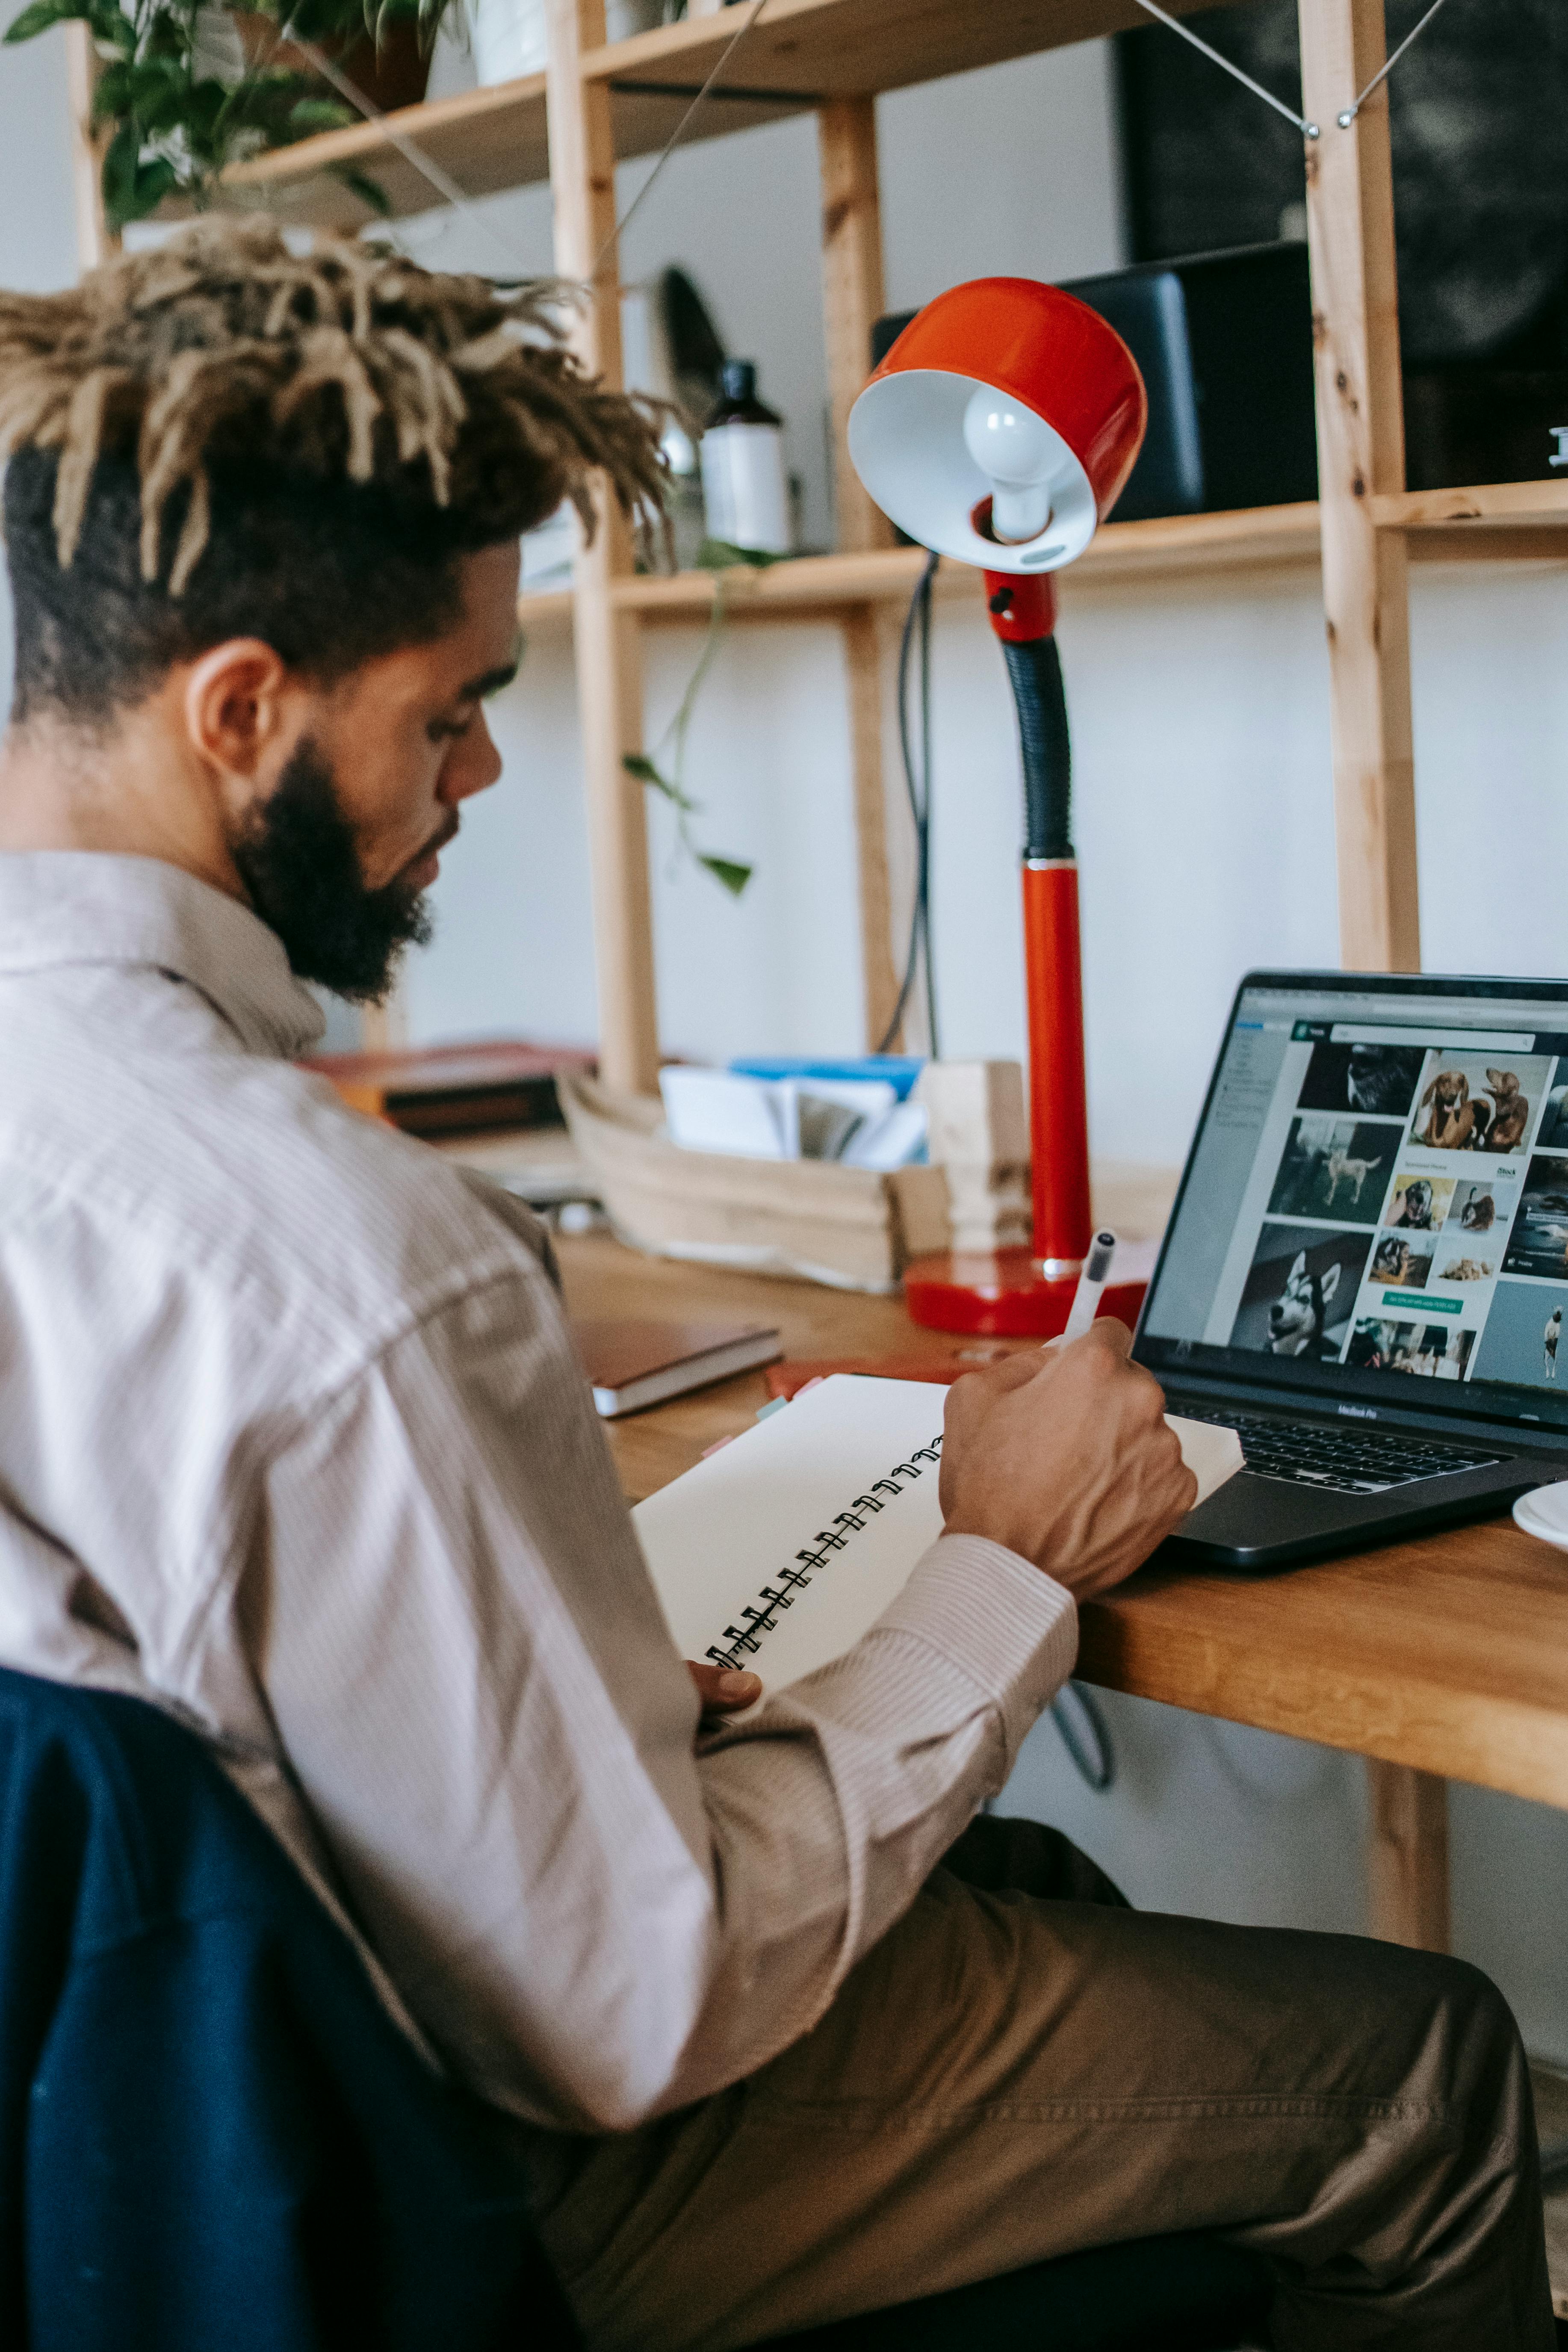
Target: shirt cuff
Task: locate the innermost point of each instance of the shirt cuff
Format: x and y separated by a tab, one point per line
1001	1621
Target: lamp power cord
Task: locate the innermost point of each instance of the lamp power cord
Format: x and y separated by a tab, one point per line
917	787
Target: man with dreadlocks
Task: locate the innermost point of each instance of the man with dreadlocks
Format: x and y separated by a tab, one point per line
292	1441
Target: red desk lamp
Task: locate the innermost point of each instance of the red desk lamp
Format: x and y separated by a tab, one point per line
1000	429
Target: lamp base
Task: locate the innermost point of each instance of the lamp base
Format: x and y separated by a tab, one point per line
1002	1294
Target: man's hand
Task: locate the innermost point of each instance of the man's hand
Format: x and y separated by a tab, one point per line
723	1690
1064	1456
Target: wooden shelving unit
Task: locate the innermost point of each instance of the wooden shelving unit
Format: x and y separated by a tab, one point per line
597	105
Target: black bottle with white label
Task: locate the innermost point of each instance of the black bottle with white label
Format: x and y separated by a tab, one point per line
744	486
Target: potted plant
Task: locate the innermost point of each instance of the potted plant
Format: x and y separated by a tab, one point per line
186	89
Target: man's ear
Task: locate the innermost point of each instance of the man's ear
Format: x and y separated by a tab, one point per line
235	706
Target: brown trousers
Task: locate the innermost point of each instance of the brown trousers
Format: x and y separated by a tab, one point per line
1023	2066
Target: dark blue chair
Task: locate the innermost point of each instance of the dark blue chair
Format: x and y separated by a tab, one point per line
210	2133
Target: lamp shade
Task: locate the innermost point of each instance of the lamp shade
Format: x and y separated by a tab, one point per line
1008	363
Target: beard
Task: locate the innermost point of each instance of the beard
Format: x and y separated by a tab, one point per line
297	860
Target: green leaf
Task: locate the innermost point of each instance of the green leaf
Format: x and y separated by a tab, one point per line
154	181
370	192
112	30
636	765
154	91
41	14
120	159
111	99
308	115
160	96
168	37
718	555
728	870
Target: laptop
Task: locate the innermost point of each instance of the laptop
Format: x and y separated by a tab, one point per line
1365	1273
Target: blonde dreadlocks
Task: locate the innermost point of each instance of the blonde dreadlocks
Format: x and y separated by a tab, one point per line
225	350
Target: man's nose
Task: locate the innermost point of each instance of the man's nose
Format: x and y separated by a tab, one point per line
475	764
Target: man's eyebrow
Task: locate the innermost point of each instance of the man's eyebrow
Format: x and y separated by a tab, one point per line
480	690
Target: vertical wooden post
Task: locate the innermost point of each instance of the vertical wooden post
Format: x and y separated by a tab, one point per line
852	300
609	648
1366	599
95	242
1407	1857
1360	450
852	297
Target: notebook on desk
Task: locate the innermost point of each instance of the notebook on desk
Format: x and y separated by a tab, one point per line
1366	1269
632	1362
779	1553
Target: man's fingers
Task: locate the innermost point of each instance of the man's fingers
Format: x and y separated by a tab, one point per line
1106	1332
723	1689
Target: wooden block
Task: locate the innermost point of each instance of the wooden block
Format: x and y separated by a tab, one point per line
976	1113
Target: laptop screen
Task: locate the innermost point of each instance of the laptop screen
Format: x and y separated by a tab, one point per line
1378	1193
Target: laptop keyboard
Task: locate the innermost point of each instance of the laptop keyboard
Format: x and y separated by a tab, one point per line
1341	1460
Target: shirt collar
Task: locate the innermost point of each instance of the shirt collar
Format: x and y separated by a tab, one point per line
60	907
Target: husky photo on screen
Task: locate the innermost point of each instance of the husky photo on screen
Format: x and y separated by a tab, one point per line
1300	1291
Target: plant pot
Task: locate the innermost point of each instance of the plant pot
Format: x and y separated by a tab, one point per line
391	73
508	39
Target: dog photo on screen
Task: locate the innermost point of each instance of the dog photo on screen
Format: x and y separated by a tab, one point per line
1402	1259
1420	1204
1523	1329
1335	1168
1478	1102
1539	1242
1434	1351
1300	1291
1377	1079
1552	1135
1480	1208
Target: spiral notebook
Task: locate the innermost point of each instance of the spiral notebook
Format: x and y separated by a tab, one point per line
779	1553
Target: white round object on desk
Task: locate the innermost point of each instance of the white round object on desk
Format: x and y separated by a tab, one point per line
1543	1512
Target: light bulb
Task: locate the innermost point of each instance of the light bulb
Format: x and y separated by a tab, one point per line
1015	450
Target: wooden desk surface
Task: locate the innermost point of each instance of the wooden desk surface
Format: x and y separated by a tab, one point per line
1450	1654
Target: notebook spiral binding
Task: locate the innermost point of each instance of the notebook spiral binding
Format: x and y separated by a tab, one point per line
762	1615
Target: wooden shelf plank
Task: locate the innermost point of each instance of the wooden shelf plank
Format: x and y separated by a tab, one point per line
1505	506
1511	518
819	584
483	139
802	52
808	50
806	584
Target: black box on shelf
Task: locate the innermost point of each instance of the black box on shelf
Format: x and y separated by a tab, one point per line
1225	343
1471	423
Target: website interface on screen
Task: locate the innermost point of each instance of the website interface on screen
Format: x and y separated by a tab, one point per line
1380	1194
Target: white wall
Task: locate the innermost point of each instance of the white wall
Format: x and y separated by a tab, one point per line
1201	730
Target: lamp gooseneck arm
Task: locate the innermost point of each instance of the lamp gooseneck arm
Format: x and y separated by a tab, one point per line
1036	670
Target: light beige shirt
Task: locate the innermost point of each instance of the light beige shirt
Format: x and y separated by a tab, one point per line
293	1441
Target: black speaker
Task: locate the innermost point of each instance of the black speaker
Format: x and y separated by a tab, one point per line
1225	343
